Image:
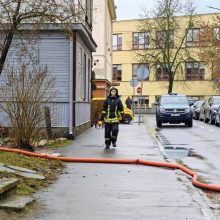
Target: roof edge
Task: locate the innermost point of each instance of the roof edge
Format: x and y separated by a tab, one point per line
112	9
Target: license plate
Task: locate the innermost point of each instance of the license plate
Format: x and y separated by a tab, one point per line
175	114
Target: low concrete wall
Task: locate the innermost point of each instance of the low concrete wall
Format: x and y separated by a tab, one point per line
64	132
58	132
80	129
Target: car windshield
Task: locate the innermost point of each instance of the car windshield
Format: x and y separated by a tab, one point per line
216	101
174	100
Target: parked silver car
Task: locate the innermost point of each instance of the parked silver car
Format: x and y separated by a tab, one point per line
196	109
217	117
210	109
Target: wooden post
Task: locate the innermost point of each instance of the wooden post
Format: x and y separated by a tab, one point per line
48	121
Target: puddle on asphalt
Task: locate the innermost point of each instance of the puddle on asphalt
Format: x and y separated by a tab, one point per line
176	152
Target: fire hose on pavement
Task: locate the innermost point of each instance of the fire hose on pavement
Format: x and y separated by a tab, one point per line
193	174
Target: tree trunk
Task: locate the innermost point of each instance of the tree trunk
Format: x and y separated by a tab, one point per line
170	87
8	40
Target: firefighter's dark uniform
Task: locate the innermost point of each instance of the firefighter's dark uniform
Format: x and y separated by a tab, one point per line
112	108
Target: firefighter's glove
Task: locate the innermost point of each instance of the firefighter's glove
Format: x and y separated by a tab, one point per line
100	123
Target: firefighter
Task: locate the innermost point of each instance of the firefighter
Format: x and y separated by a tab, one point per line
112	108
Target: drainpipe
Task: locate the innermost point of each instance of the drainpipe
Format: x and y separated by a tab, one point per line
71	136
105	47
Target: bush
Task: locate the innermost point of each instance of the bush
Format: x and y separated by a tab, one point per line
25	93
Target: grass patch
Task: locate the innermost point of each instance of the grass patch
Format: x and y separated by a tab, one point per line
48	168
58	143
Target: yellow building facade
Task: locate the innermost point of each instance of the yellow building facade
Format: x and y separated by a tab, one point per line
125	62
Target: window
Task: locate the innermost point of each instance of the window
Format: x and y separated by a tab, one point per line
161	74
135	68
116	72
117	41
165	39
84	77
141	40
195	71
216	35
144	102
193	38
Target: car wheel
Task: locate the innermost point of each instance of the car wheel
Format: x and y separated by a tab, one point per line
127	119
212	120
159	123
197	116
200	119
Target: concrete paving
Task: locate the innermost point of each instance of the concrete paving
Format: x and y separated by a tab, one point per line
21	172
16	203
114	191
7	184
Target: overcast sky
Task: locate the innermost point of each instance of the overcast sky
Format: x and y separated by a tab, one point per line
130	9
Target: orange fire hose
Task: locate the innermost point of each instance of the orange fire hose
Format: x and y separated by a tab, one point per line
120	161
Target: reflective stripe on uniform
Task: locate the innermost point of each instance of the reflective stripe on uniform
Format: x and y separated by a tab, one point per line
108	111
116	111
111	120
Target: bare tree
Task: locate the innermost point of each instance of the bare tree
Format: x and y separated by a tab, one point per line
15	13
166	34
25	93
211	53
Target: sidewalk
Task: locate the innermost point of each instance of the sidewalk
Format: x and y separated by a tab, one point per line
114	191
